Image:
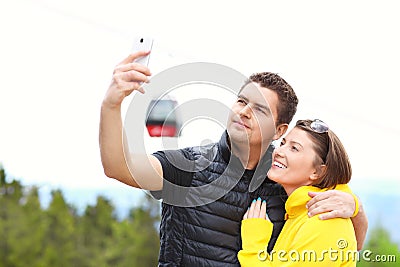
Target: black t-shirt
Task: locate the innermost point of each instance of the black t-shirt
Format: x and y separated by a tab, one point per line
178	169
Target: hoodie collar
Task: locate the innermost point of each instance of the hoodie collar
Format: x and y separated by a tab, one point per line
296	202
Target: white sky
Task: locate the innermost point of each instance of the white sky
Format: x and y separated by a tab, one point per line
57	58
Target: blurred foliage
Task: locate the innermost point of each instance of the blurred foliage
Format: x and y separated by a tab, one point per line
380	250
59	236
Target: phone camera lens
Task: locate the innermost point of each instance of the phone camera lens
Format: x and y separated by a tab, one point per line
141	40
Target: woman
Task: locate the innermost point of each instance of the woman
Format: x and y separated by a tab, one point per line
310	158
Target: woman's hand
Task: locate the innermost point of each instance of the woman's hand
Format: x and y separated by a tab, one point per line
257	209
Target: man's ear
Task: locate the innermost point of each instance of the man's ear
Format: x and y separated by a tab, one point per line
280	130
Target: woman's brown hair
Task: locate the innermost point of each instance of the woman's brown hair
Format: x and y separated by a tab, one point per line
331	151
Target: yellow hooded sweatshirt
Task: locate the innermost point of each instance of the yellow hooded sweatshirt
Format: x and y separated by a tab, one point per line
303	241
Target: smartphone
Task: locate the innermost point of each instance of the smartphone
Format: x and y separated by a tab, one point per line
142	44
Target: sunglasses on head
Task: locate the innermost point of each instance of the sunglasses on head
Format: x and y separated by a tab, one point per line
316	125
319	126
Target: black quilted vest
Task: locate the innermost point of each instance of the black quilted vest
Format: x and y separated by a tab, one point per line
209	234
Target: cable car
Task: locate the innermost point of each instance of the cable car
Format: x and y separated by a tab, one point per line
162	119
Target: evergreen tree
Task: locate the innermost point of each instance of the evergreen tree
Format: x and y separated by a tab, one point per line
59	249
58	236
10	218
146	243
136	237
97	235
379	244
28	245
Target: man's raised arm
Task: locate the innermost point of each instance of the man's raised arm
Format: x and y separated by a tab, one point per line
142	171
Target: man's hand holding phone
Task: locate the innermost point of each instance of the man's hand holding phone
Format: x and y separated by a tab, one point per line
128	76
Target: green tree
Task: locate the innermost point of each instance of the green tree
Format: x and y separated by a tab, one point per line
59	247
145	240
97	235
10	218
27	245
379	244
59	236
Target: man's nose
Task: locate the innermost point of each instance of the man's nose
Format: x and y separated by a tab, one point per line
245	111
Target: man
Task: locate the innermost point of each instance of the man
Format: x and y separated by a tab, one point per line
223	178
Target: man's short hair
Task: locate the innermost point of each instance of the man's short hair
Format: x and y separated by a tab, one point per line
288	100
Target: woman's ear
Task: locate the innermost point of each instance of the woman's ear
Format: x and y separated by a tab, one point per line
319	171
280	130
